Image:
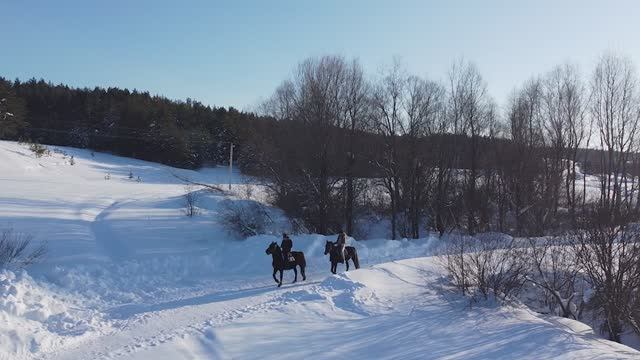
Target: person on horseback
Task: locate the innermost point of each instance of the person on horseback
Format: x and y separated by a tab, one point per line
286	245
341	243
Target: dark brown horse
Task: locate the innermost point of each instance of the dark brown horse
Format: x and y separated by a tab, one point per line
280	265
333	250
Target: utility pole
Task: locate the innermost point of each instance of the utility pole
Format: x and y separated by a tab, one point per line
230	163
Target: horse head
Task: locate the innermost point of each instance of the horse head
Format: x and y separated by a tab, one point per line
327	247
271	248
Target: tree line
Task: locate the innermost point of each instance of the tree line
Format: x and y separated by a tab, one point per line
441	155
336	145
186	134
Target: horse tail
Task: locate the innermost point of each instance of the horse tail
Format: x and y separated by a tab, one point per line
356	261
303	261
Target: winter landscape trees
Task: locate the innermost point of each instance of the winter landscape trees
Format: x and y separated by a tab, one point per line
441	155
131	123
445	159
337	145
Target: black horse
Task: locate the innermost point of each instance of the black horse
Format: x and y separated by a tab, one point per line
280	265
333	250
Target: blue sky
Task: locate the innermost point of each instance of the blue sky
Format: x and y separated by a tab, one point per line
234	53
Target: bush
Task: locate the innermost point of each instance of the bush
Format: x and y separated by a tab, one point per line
609	254
493	266
191	201
245	218
16	252
39	150
555	270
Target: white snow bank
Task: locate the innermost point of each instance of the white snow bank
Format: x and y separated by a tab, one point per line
35	317
398	310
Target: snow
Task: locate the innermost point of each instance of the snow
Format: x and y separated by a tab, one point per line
393	311
129	276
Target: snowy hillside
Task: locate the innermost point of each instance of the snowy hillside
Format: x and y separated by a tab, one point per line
129	276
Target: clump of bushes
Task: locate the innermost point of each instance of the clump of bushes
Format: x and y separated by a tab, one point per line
39	150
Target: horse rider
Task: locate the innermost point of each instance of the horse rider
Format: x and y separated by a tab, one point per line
341	242
286	245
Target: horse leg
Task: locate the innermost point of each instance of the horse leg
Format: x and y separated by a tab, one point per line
304	277
274	274
295	274
346	263
280	283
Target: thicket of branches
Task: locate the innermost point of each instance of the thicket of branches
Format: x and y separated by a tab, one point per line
590	274
441	152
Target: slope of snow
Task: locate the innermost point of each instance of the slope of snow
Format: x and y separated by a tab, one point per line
129	276
394	310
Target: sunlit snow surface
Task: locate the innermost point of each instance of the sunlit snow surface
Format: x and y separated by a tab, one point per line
129	276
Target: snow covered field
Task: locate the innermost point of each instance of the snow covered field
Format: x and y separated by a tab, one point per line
129	276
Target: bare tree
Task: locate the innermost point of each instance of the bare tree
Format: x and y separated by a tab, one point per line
614	108
387	102
190	201
301	165
556	270
281	103
609	253
423	109
356	107
470	109
444	152
565	131
524	168
575	103
494	191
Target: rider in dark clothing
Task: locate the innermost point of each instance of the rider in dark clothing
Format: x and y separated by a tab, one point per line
286	246
341	242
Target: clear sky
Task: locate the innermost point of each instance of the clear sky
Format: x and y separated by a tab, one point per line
234	53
